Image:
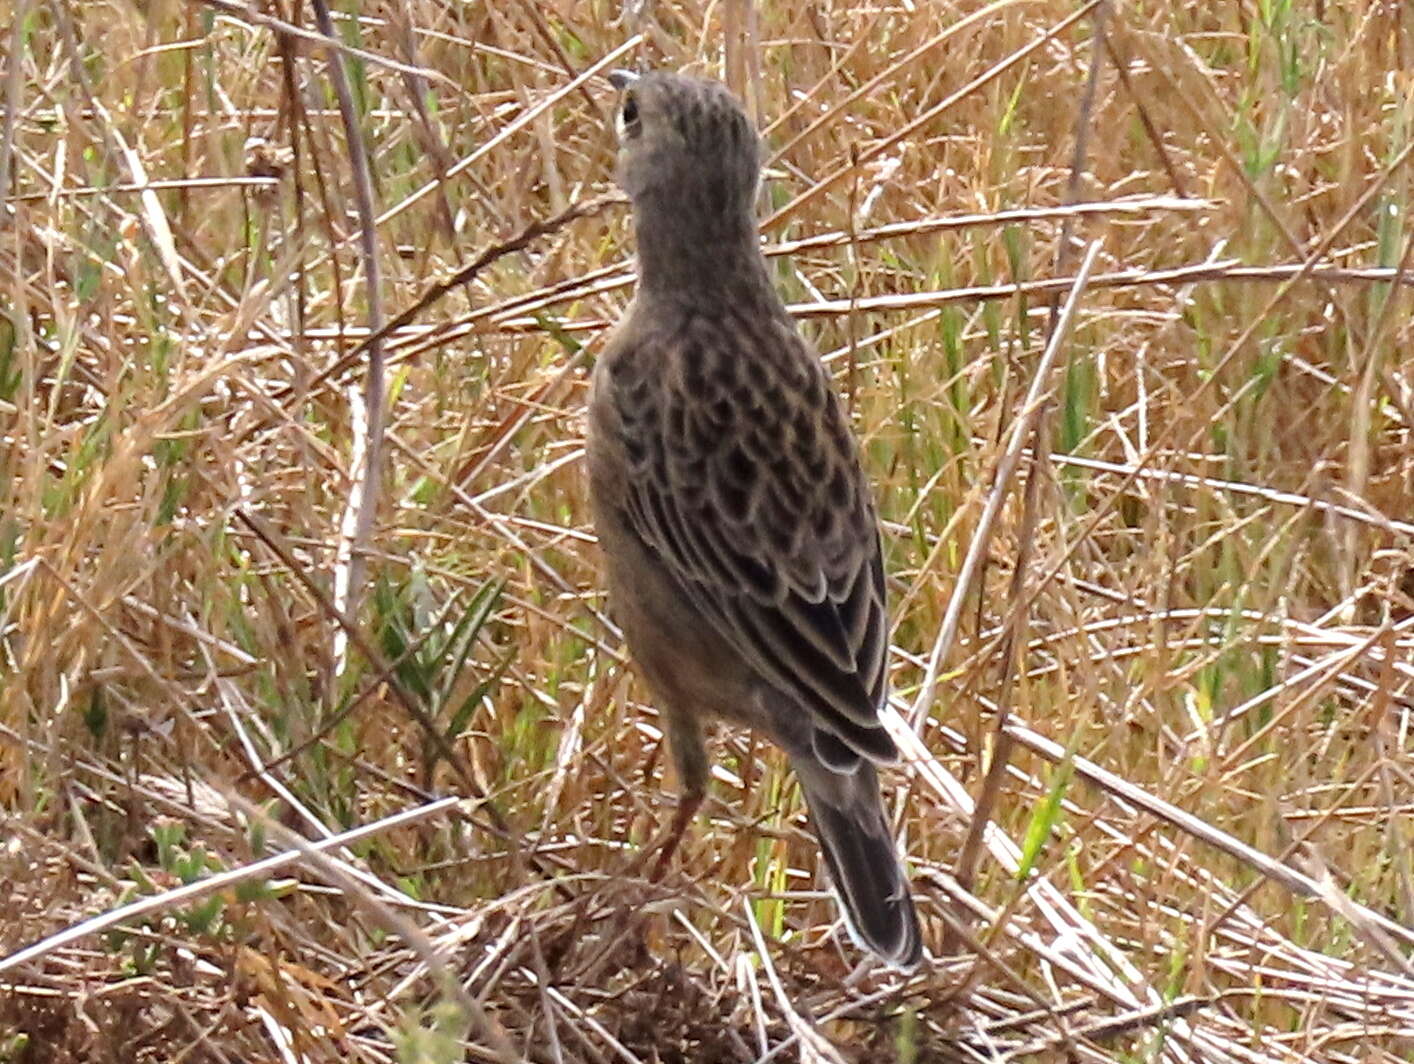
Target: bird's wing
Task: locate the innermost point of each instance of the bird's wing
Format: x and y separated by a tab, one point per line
744	479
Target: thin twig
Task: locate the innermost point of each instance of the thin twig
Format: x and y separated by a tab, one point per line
171	899
326	39
367	407
1031	409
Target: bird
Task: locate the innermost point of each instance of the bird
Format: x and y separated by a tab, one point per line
740	539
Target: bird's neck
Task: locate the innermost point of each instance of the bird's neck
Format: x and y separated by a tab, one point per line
688	254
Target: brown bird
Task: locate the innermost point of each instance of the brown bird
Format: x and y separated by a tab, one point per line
740	537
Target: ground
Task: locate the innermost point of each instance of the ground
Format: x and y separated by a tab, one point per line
294	538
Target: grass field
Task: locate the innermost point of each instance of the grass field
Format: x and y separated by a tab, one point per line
293	535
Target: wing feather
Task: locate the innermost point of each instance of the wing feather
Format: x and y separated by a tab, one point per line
745	481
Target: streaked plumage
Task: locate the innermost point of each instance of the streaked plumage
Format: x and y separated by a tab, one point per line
740	538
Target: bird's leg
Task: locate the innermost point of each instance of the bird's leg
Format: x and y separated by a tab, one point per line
688	804
690	757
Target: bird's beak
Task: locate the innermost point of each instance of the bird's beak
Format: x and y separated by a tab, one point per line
622	79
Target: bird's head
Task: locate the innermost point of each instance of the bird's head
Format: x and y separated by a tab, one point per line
685	143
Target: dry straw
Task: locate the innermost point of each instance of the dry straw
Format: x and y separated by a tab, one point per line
1151	561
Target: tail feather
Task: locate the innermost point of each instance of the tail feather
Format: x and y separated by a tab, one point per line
848	817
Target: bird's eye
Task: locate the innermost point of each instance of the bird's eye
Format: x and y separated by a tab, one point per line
628	116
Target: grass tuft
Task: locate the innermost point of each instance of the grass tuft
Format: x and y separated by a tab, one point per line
1182	671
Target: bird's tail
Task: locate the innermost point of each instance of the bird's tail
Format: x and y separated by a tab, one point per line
848	817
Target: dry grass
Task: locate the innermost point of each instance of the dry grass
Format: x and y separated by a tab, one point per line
237	617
